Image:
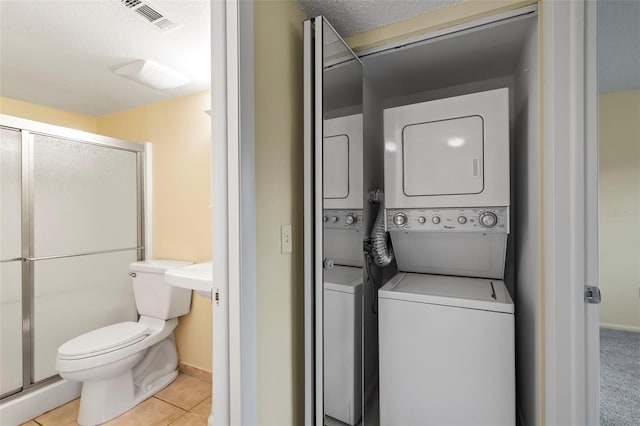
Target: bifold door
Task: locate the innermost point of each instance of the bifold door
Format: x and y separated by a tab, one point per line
332	92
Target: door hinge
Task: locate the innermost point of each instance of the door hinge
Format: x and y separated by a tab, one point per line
592	295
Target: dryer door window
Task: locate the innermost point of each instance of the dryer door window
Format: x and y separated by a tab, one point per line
444	157
335	167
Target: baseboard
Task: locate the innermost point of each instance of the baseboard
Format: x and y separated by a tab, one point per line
620	327
31	405
195	372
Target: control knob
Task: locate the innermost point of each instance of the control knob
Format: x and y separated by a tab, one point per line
334	219
462	220
488	219
422	220
351	219
400	219
435	220
325	219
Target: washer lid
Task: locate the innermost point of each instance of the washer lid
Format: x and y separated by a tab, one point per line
471	293
104	340
345	279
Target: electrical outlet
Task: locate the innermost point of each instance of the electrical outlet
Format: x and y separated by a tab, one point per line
285	238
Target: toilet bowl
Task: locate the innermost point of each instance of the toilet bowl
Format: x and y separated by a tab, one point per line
123	364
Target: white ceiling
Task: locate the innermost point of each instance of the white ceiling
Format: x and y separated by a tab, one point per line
62	53
350	17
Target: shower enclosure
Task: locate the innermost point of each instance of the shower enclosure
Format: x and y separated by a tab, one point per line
71	220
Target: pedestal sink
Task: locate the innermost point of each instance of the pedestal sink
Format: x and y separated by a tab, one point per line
197	277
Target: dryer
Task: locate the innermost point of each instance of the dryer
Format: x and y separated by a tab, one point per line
342	165
342	190
448	153
447	190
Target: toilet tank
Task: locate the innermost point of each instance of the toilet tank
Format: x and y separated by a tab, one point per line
154	297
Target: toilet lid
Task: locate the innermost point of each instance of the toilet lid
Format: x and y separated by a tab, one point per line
103	340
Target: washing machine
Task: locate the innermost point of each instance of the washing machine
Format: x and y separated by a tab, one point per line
446	320
446	351
342	319
343	343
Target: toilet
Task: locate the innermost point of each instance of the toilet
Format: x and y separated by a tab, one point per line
123	364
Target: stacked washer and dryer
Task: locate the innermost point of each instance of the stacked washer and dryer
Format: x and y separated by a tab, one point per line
343	290
446	320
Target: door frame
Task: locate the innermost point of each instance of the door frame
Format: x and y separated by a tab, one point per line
592	244
570	211
233	215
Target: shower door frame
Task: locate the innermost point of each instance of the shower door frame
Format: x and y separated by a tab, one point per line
27	129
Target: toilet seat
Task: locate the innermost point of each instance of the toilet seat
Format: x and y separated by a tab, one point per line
104	340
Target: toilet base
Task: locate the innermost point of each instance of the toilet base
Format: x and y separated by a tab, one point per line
103	400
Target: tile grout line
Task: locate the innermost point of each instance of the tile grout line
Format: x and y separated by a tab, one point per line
187	410
177	418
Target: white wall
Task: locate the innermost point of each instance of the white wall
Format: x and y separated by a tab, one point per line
527	234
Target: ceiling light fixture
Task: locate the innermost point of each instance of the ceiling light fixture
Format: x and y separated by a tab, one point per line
152	74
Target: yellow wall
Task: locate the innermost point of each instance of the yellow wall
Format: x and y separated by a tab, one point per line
620	209
180	132
279	200
47	115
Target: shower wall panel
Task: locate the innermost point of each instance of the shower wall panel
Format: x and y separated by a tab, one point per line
84	197
74	295
10	263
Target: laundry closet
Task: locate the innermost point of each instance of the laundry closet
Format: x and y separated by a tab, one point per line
425	292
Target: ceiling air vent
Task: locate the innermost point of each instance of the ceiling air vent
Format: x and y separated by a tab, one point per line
151	14
131	3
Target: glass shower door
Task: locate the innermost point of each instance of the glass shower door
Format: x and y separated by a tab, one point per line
85	232
10	261
71	222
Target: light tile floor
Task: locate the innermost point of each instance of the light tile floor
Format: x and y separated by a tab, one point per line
185	402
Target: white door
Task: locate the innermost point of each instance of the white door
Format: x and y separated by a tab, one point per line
332	86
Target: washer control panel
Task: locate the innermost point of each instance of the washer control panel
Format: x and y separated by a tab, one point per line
342	219
480	219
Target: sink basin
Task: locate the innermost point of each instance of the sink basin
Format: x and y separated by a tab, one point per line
197	277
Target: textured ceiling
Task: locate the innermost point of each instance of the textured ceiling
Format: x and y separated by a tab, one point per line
618	45
618	30
350	17
62	53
